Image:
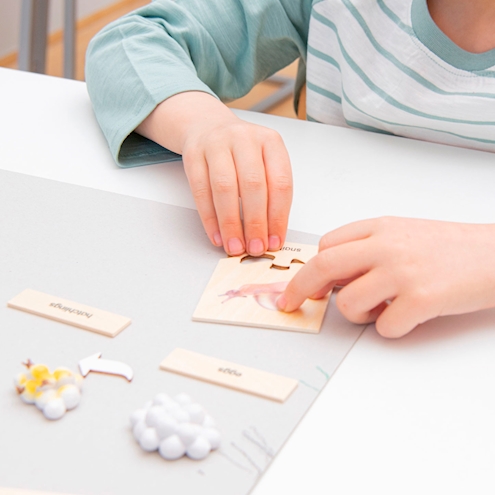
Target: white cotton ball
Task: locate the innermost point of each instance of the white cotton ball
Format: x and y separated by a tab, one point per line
196	413
78	380
54	409
136	416
148	404
160	399
27	398
183	399
20	380
172	448
208	422
64	376
70	395
149	440
180	415
199	449
164	400
166	426
213	437
138	429
188	433
43	398
153	415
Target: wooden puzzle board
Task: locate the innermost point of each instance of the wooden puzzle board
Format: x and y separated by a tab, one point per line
150	262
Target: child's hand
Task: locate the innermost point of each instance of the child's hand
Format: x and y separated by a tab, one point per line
400	272
226	159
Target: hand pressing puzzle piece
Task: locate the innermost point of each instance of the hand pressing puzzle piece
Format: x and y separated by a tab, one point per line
244	290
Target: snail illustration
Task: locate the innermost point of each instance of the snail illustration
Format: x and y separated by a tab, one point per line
265	295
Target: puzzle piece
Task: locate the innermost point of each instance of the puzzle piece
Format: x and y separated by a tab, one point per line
243	293
291	252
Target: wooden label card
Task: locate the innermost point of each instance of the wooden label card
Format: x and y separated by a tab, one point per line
229	374
73	313
244	290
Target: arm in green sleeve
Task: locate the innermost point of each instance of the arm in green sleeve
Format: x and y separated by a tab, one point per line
221	47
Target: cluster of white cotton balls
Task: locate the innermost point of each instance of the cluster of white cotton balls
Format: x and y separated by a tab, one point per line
175	427
52	393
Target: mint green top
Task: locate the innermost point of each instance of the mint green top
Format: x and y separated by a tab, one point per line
221	47
377	65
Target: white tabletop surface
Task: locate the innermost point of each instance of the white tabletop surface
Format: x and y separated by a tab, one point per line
414	415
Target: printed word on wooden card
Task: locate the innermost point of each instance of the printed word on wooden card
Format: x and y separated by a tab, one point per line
229	374
244	290
70	312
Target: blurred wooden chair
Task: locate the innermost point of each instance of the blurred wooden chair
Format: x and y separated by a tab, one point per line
285	90
34	33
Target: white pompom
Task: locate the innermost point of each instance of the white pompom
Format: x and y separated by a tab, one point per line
136	416
164	400
196	413
188	433
208	422
183	399
213	436
27	397
172	448
166	426
154	414
43	398
138	429
149	440
199	449
20	380
54	409
180	415
79	380
70	395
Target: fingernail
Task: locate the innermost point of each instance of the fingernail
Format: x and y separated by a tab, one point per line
217	239
273	242
256	247
235	246
281	302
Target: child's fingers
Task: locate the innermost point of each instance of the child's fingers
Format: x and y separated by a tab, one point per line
351	232
358	300
279	180
402	315
323	291
254	195
223	182
199	181
326	267
336	283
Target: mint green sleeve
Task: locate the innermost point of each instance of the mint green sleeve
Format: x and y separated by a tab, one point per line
221	47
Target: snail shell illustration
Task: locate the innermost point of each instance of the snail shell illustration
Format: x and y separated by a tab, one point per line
265	295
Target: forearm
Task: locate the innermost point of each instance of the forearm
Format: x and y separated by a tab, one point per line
169	47
183	115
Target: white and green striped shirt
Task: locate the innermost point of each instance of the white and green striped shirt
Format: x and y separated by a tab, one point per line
378	65
384	66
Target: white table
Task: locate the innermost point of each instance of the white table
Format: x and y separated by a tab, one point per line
409	416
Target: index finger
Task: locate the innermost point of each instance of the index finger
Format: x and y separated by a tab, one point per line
280	187
353	231
327	267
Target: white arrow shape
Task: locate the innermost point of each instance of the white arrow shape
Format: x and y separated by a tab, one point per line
94	363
